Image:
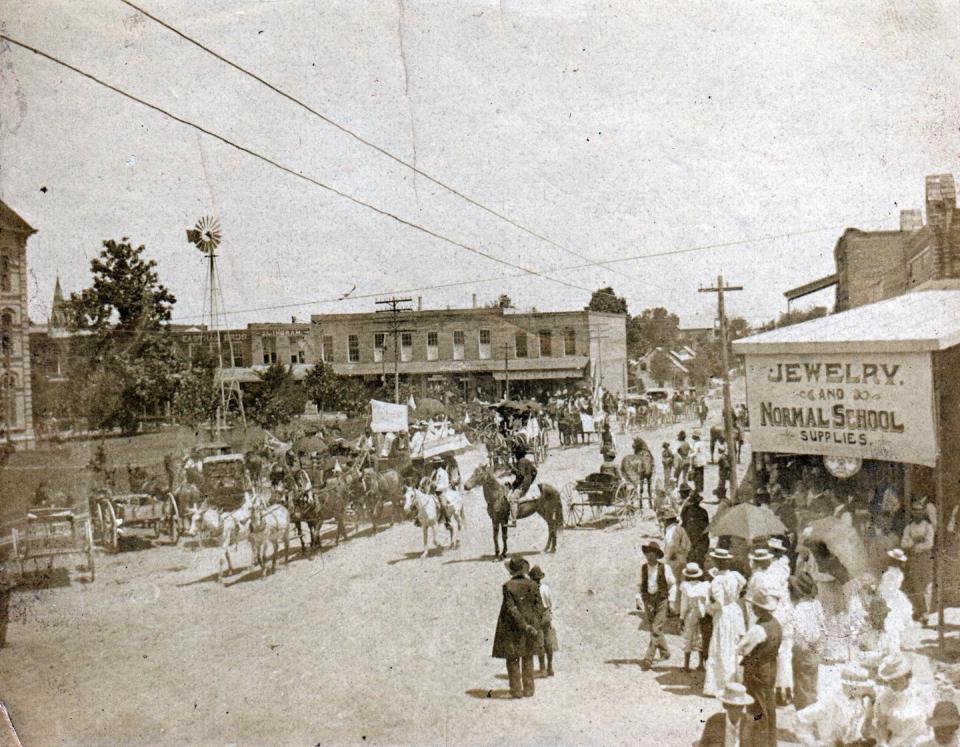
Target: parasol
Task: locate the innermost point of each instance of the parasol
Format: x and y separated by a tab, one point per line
309	445
842	541
428	407
747	522
532	405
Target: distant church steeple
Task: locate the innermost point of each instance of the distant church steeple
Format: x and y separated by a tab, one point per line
58	315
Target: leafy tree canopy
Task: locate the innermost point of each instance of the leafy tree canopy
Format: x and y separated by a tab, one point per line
606	300
277	399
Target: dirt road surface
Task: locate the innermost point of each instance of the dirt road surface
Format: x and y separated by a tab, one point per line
366	644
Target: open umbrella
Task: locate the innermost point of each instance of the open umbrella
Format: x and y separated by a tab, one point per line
747	522
428	408
842	541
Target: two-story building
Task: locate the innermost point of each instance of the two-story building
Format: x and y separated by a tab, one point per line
485	352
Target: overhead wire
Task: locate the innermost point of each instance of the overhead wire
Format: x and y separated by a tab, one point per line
370	144
266	159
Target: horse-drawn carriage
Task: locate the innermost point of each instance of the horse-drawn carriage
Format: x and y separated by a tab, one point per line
597	492
116	515
224	481
49	533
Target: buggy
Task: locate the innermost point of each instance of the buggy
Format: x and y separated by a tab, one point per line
598	491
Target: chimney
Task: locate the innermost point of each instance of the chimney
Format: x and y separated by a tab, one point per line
911	220
474	301
419	303
941	199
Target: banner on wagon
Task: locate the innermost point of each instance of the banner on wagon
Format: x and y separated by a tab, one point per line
866	405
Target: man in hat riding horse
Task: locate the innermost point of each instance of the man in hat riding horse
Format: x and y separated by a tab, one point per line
525	472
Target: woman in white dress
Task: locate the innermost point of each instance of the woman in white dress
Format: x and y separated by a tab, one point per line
728	624
899	628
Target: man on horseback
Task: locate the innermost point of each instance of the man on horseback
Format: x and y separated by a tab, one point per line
524	472
439	484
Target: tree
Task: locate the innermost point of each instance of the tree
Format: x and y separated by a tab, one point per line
277	399
131	369
504	302
197	398
654	328
794	317
606	300
661	369
330	391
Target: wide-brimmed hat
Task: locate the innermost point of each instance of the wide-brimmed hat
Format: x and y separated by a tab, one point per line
803	584
897	554
721	553
735	694
696	434
517	565
775	543
536	573
855	677
653	548
684	488
760	554
893	668
692	570
760	598
945	713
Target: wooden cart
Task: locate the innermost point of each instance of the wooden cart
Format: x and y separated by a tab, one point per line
118	514
49	533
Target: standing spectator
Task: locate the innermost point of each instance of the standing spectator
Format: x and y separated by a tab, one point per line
809	629
723	471
667	460
759	648
694	592
901	710
917	541
656	589
519	628
698	461
676	544
728	729
695	520
944	723
728	624
702	411
6	591
683	451
550	644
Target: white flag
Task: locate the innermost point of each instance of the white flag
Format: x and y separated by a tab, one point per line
411	403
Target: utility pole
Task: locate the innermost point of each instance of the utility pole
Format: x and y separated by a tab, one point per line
732	452
395	307
505	349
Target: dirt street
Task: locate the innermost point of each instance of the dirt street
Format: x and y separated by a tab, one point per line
366	644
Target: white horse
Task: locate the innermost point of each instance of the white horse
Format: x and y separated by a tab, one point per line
429	514
227	525
269	524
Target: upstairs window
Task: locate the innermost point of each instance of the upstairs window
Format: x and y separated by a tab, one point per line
521	345
269	351
406	346
353	348
5	284
379	345
545	343
484	344
570	342
327	349
458	342
433	351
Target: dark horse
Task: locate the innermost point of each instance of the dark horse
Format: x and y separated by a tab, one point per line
548	505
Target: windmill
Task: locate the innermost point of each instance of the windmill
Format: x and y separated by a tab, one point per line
206	235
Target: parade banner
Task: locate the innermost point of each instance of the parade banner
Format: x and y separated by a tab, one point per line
387	417
866	405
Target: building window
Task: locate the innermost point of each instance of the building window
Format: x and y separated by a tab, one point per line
297	352
326	351
458	342
484	344
236	354
353	348
570	342
8	385
545	343
379	345
269	351
406	346
6	334
5	284
521	345
432	351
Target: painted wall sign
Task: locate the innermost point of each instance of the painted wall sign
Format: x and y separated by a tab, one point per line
869	405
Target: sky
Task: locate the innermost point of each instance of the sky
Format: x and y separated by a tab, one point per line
614	129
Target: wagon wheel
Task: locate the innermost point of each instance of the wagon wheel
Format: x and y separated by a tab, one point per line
101	521
89	547
111	530
174	521
15	536
571	499
625	504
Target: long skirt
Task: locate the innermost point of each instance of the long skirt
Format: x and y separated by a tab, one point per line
722	662
806	671
550	643
919	574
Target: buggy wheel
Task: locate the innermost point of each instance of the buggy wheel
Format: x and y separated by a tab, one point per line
111	529
574	508
625	505
173	526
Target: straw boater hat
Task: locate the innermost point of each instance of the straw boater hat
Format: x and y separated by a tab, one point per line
735	694
760	598
760	554
653	548
897	554
775	543
692	570
516	565
945	713
721	553
894	667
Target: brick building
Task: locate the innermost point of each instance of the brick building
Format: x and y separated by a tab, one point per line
875	265
16	415
478	351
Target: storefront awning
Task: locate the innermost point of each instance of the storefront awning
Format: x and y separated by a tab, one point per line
531	374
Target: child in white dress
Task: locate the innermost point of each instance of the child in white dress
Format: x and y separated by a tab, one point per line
694	593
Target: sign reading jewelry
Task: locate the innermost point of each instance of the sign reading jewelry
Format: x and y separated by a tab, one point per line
867	405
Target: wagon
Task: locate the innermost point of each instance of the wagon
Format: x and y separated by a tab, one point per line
599	491
118	514
49	533
224	482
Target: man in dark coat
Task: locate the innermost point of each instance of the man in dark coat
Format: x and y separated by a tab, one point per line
759	648
519	627
524	474
695	519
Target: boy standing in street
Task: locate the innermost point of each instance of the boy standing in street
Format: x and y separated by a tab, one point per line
656	590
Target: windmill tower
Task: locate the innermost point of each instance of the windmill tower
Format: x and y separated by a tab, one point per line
206	235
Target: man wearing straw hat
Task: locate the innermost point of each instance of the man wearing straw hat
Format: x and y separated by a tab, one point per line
657	585
758	649
519	627
728	729
944	722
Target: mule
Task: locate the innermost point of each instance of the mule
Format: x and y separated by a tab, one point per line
428	513
327	503
269	525
380	488
547	504
227	525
